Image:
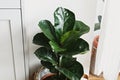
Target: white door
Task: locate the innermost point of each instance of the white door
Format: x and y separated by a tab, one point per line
11	45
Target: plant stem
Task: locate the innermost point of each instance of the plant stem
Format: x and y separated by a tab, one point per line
58	57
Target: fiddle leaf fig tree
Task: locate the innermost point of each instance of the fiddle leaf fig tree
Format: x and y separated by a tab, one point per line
59	42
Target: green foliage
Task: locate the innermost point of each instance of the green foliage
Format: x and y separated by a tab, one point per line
60	42
97	25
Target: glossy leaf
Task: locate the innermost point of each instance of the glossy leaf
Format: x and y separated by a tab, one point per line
73	71
77	69
41	39
48	29
74	67
46	55
79	46
81	27
49	66
67	73
64	19
65	60
56	47
69	37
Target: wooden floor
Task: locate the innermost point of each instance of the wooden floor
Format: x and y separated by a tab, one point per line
91	77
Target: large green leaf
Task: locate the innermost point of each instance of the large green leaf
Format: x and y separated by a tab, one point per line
56	47
46	55
81	27
49	66
69	37
68	73
64	19
77	69
48	29
41	39
75	72
65	60
74	67
79	46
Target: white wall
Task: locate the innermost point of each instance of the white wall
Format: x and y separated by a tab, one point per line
35	10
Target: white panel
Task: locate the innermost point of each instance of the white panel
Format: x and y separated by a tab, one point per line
109	60
18	45
6	54
17	41
99	11
9	3
111	46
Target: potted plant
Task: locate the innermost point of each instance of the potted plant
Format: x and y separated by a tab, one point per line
59	43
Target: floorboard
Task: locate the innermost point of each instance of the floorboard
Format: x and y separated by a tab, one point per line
93	77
